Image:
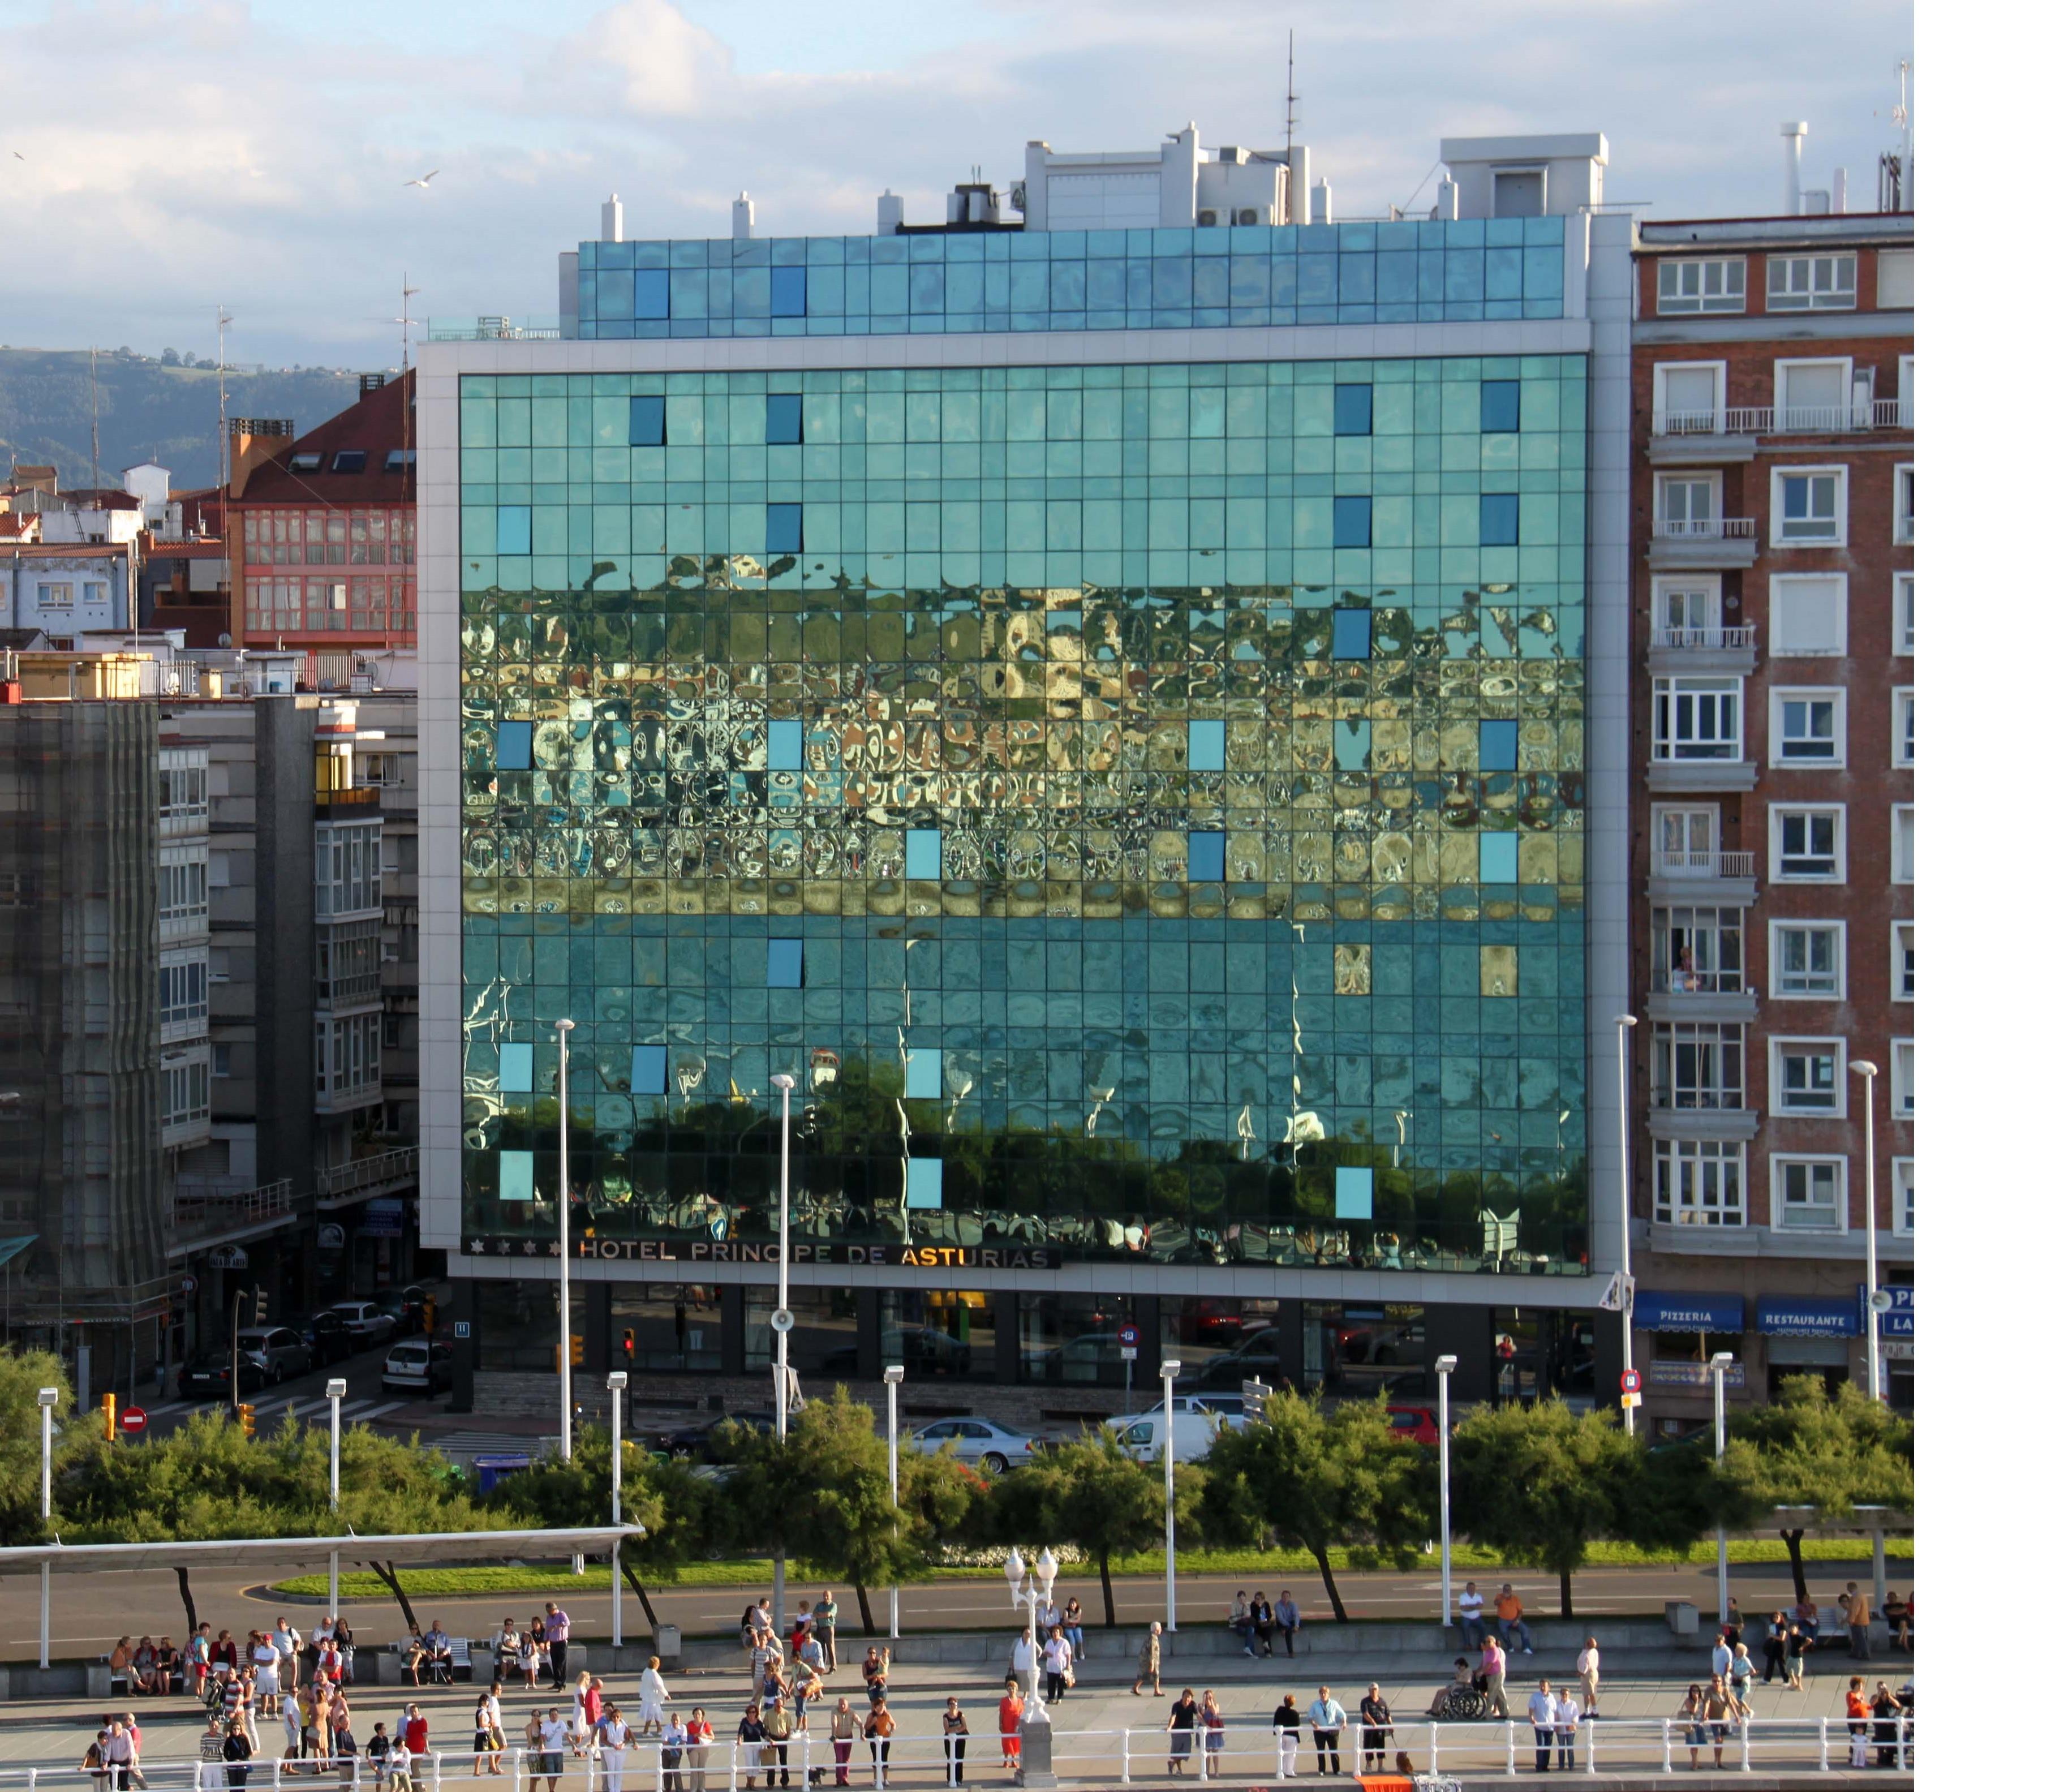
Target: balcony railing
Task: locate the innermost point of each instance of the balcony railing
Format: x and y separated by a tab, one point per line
495	329
367	1175
1875	414
1707	528
1727	639
1662	981
204	1204
358	796
1663	862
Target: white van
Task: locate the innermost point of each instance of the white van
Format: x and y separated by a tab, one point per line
1142	1436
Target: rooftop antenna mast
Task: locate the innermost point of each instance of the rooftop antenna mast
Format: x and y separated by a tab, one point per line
93	377
222	321
1290	100
1904	119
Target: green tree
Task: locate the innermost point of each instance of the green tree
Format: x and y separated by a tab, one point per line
1809	1448
1092	1494
1320	1481
22	1373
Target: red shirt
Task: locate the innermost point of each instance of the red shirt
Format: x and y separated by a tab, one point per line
591	1704
416	1733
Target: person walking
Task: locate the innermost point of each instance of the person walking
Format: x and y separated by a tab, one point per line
1328	1720
1024	1659
1150	1659
879	1732
953	1739
1182	1730
1376	1729
1567	1718
1469	1613
1541	1714
1797	1645
1741	1675
1060	1663
558	1627
1587	1675
1284	1723
824	1621
1490	1669
651	1698
1009	1721
1211	1721
1774	1628
1289	1622
1723	1659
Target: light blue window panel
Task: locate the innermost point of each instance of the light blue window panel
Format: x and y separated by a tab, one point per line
1500	407
784	746
652	293
512	529
1354	1193
920	852
784	417
1498	519
518	1072
648	423
784	964
784	525
512	746
1354	409
1207	746
924	1184
519	1175
1497	746
1351	745
788	292
1206	857
1351	522
922	1073
1497	859
1351	634
648	1070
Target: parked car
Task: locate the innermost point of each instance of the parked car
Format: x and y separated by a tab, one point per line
926	1350
418	1365
1142	1436
1257	1358
328	1338
1422	1424
1082	1358
367	1322
701	1443
989	1443
205	1376
273	1353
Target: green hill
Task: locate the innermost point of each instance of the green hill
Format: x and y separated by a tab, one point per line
149	410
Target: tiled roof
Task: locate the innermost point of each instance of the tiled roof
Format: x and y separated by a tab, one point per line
379	422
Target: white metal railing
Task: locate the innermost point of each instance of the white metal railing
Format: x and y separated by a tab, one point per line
1507	1746
205	1203
398	1165
1865	413
1707	528
1731	639
1665	862
488	328
1662	981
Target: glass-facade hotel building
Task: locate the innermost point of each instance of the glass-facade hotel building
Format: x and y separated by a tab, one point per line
1110	711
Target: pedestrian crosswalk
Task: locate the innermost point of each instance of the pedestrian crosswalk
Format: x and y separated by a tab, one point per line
313	1408
470	1445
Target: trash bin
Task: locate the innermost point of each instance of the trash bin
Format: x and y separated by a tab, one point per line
667	1641
1682	1617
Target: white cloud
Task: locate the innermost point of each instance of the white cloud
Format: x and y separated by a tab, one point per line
646	56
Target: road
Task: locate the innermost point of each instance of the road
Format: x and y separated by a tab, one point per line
366	1402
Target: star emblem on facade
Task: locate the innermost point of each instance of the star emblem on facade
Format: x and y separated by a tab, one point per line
478	1245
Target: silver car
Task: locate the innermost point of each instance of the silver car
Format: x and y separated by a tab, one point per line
986	1443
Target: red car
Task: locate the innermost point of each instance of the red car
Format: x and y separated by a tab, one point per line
1419	1423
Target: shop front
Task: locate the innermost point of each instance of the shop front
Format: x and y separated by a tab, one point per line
1685	1330
1806	1335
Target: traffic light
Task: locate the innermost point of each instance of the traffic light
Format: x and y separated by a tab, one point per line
580	1354
107	1416
246	1416
629	1345
259	1305
430	1318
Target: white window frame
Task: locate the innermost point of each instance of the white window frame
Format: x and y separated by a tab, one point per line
1902	504
1820	1042
1720	1039
1902	1197
1902	614
179	1071
1677	1164
189	1019
1690	529
1779	583
1834	297
1902	1080
1660	817
1906	392
1835	694
54	596
1840	475
1705	299
1902	820
1902	944
1816	418
1792	924
183	856
1718	369
1666	633
1775	815
1668	693
1841	1164
1902	727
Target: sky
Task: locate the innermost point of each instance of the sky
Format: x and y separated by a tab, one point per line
164	156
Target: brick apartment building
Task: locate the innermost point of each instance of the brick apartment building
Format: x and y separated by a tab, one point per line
1773	541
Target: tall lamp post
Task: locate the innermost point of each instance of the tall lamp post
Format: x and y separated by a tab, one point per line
618	1381
783	1321
1722	1361
1171	1368
563	1027
1623	1027
1443	1368
891	1379
1868	1071
334	1390
46	1399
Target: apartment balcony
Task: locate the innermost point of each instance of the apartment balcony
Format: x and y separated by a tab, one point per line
347	1184
210	1210
1702	649
1670	776
1701	995
1704	544
1725	878
1732	1240
1726	438
362	798
1702	1123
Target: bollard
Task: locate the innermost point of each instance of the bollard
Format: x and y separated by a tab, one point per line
1432	1748
1666	1767
1823	1745
1591	1746
1746	1722
1905	1756
733	1781
1276	1732
1511	1748
1125	1757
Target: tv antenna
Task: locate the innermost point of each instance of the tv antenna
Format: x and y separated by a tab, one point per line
1290	98
222	321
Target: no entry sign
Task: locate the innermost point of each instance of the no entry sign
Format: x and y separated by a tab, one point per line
134	1420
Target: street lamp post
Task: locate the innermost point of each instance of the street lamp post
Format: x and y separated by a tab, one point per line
618	1381
46	1399
1171	1368
1623	1027
563	1027
336	1391
891	1378
784	1320
1443	1368
1873	1370
1722	1362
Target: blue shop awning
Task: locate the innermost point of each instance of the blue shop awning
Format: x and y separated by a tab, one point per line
1673	1312
1801	1316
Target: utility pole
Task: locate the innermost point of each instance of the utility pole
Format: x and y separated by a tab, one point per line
222	321
93	377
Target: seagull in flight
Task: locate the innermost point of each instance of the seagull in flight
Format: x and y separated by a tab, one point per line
424	182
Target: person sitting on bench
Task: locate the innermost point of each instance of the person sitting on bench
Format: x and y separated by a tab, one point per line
437	1653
